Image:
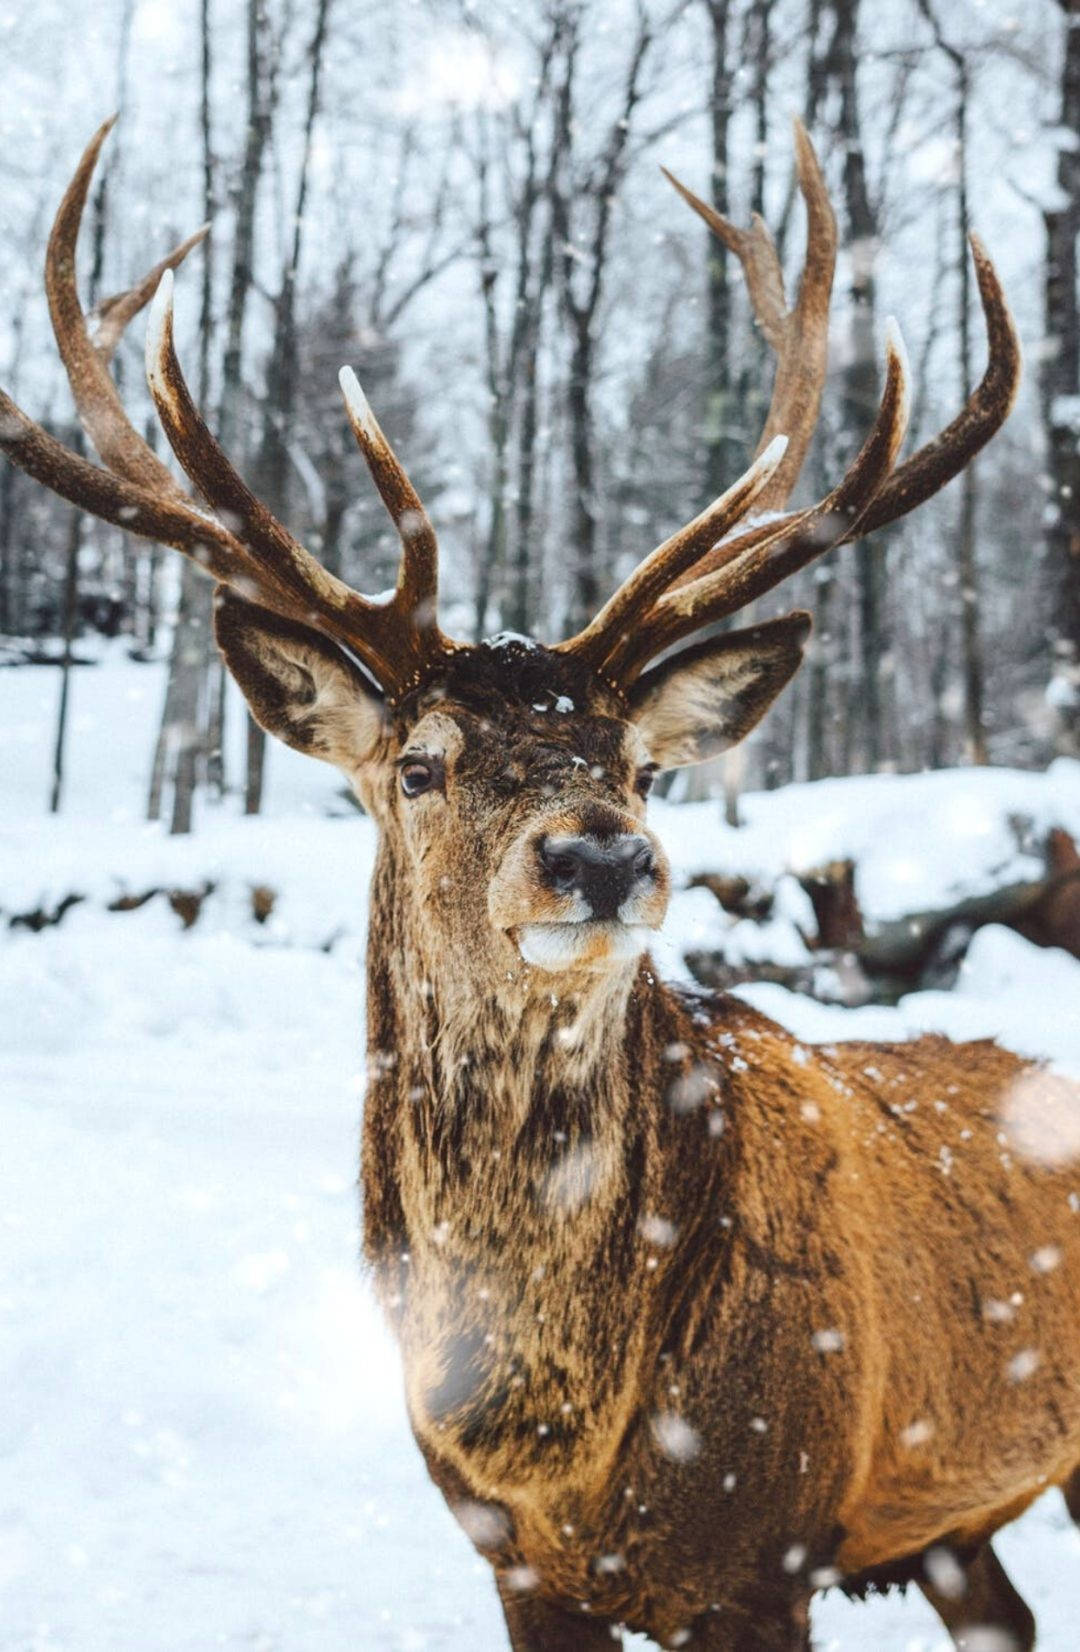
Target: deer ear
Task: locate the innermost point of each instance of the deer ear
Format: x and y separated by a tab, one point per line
698	703
298	685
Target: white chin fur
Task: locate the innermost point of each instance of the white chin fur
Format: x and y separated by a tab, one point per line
558	946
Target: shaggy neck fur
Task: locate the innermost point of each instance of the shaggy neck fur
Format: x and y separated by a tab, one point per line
508	1162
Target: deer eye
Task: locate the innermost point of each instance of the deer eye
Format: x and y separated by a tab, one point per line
643	781
417	774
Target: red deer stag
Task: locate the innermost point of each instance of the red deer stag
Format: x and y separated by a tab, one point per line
695	1319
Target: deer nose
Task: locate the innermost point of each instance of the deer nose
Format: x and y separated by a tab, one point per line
602	870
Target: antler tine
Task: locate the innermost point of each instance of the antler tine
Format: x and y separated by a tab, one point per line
320	595
934	464
248	550
786	547
166	519
981	417
109	319
651	578
97	400
799	336
386	636
418	577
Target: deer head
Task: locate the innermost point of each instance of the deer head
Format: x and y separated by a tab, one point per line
508	777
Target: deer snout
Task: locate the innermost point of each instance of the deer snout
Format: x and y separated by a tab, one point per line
603	871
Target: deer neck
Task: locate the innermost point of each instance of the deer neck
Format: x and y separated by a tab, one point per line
471	1029
508	1155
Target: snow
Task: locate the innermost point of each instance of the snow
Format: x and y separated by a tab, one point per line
510	639
203	1434
1027	996
919	841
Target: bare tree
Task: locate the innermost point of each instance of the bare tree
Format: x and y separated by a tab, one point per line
588	192
860	380
74	540
512	350
966	569
724	435
273	468
192	669
1060	394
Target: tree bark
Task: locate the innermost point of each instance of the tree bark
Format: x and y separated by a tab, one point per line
9	606
1060	397
261	102
70	611
860	380
182	738
500	389
512	364
966	568
273	467
822	652
726	447
215	668
581	299
974	728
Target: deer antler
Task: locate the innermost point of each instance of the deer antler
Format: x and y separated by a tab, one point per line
641	620
663	566
243	545
695	578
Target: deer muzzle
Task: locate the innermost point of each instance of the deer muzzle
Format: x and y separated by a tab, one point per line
581	893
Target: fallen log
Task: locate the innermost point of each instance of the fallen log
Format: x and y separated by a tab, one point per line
858	961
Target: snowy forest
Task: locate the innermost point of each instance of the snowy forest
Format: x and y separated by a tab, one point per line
370	176
465	201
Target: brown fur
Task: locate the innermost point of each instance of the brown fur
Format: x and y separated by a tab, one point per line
694	1318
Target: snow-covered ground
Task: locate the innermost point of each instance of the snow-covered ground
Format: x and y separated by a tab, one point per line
201	1431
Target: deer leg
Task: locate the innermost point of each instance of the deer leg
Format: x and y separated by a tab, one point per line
989	1602
536	1625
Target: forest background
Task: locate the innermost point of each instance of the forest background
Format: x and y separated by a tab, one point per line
465	202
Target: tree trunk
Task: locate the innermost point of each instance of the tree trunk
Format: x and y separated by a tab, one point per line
967	574
273	466
9	614
585	578
182	739
581	297
860	380
821	658
261	102
520	606
500	388
215	668
974	730
71	602
726	446
1060	395
822	651
183	732
533	303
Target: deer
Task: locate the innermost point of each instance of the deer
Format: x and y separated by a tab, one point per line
696	1319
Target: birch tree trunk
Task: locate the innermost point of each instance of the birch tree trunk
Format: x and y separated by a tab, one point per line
262	90
182	738
273	467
